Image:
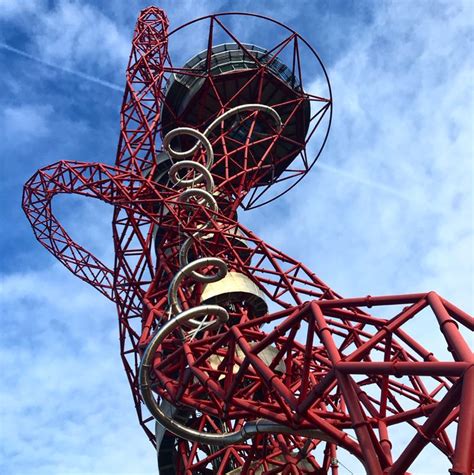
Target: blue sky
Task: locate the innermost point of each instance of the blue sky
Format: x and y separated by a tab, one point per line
387	209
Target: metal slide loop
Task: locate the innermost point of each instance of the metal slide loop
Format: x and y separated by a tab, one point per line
249	429
183	254
190	270
196	318
201	140
204	175
203	198
245	107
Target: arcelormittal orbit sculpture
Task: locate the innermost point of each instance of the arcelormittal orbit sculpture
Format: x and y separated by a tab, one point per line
246	361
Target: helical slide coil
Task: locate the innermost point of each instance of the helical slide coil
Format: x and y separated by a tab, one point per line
195	319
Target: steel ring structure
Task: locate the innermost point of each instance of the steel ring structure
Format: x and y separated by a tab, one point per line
240	359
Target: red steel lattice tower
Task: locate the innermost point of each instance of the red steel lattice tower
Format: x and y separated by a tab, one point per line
244	358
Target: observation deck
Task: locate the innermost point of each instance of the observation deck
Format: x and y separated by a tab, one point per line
231	75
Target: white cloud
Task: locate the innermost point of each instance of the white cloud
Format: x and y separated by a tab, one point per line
12	8
390	209
74	34
395	217
66	407
390	206
26	122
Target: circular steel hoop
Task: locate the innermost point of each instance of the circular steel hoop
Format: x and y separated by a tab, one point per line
201	139
191	269
204	175
320	123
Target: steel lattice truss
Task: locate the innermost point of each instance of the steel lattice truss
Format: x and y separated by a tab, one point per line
340	377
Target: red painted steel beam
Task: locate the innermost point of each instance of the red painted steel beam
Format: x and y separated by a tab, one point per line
464	451
315	341
427	431
401	368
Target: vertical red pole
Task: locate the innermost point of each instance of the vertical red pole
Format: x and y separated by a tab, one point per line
140	113
139	119
463	453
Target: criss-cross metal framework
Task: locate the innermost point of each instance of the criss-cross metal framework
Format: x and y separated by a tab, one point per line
280	390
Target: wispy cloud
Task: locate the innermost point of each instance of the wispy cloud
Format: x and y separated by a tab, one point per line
387	209
79	33
363	181
389	206
63	69
65	374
